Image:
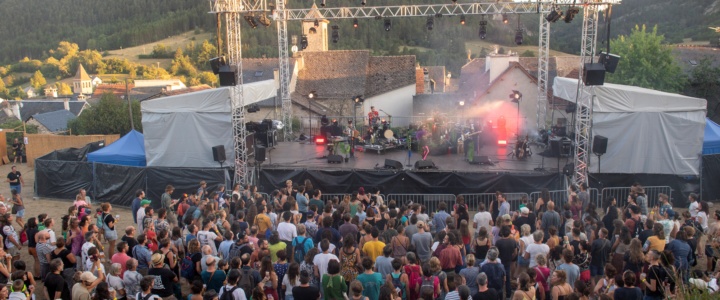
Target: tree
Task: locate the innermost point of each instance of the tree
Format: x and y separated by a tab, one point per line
154	72
18	94
108	116
704	83
38	80
4	92
646	62
63	88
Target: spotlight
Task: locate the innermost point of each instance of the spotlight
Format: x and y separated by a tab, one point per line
462	19
388	24
438	15
263	19
250	19
303	42
430	23
312	95
462	103
322	4
554	15
253	108
363	2
515	96
519	37
358	99
483	29
505	18
335	33
319	140
570	14
355	23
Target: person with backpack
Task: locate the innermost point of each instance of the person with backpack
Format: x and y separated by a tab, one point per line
430	284
240	247
231	290
414	274
371	281
634	223
249	277
398	279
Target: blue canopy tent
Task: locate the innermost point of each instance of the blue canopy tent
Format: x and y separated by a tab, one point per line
710	162
711	141
127	151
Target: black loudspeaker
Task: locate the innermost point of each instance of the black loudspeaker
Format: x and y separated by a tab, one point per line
219	153
554	148
610	61
594	74
393	164
334	159
570	108
569	169
259	153
481	160
227	76
424	164
599	144
216	63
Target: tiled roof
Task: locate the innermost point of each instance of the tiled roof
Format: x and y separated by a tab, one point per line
82	74
56	120
259	69
117	89
348	73
33	107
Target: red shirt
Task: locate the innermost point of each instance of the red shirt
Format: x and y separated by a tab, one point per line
120	258
450	257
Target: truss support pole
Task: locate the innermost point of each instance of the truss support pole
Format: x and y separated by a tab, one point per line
284	69
543	58
584	100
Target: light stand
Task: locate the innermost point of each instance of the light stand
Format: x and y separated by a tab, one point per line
516	97
599	156
357	101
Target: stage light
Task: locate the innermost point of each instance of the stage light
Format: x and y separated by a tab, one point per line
388	24
505	18
519	37
355	23
263	19
253	108
483	29
462	19
250	19
515	96
335	33
312	95
363	2
303	42
430	23
554	15
319	140
322	4
570	14
502	142
358	99
462	103
438	15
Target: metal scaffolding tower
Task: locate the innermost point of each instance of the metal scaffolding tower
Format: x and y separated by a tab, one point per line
284	68
543	58
584	96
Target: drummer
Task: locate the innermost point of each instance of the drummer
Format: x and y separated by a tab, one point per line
373	116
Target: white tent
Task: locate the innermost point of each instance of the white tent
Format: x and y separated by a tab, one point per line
181	130
648	131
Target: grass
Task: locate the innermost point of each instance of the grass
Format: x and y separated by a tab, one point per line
173	42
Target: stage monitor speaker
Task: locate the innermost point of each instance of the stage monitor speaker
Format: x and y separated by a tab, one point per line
227	76
570	108
424	165
594	74
569	169
599	144
554	148
219	153
259	153
334	159
610	61
393	164
481	160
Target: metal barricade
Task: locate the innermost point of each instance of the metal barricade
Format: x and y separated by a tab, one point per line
514	199
596	198
431	201
326	197
560	197
622	193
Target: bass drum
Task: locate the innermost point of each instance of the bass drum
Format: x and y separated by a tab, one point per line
389	135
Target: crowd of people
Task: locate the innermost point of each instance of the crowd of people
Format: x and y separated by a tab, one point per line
297	244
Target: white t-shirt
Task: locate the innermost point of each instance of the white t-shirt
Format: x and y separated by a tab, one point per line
289	285
702	218
140	217
10	231
693	209
483	219
287	231
84	252
534	250
115	282
321	261
89	267
51	232
238	293
207	238
331	248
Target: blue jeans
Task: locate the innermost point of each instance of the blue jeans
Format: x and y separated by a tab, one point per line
508	278
289	297
596	271
18	188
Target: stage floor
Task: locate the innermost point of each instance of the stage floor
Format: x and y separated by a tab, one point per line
295	155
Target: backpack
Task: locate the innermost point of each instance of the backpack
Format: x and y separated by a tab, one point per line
399	286
99	220
138	296
246	282
187	268
300	249
428	286
187	217
413	278
228	295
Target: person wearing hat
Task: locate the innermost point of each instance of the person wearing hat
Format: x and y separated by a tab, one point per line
212	277
422	242
140	215
88	281
164	286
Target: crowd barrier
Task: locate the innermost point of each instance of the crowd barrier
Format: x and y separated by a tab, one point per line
622	193
431	201
514	199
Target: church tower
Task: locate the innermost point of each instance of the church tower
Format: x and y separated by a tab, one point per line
82	84
315	27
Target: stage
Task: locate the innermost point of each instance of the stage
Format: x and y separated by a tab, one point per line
296	155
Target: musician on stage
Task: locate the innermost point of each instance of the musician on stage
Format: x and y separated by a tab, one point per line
373	116
521	148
